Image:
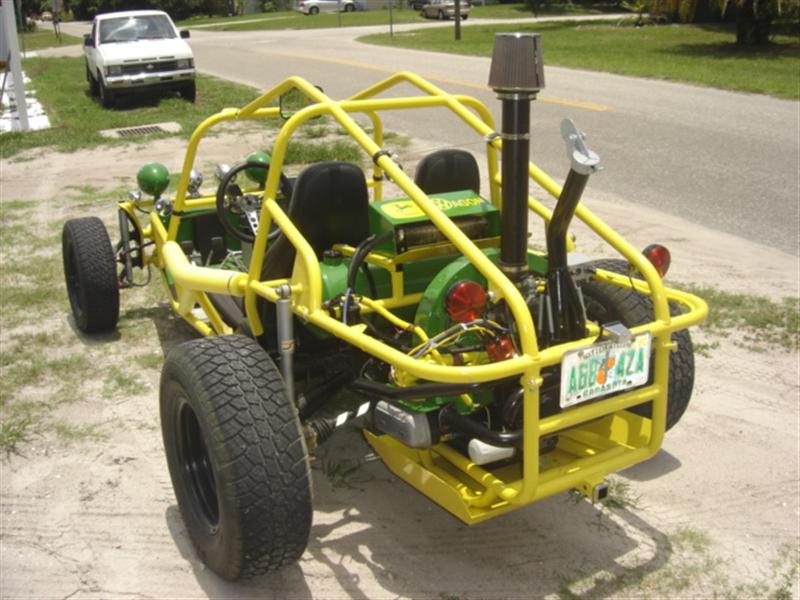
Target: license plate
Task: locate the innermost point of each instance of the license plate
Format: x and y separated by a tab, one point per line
604	368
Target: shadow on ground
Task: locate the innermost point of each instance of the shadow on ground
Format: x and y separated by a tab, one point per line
375	537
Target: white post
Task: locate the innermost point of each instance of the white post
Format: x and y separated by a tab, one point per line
10	33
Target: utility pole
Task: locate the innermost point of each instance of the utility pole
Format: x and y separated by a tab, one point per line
458	20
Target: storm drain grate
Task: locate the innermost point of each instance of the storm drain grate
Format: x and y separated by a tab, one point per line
139	130
128	132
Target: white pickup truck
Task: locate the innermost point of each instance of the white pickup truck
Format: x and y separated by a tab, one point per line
137	51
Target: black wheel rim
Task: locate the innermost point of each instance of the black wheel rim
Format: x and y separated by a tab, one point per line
196	467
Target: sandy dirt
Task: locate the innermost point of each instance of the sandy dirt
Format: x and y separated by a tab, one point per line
716	512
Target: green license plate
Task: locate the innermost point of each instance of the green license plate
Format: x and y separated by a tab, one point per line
604	368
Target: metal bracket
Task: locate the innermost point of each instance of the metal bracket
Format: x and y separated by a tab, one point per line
616	332
582	160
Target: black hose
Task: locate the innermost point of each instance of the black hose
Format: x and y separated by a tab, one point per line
449	416
362	251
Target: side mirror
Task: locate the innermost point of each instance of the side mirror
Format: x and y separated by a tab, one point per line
294	100
185	34
87	40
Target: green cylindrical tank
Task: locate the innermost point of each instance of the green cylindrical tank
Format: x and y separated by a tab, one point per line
153	179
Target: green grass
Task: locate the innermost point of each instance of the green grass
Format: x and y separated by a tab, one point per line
521	11
296	20
120	383
761	322
621	495
13	432
691	570
77	118
38	40
308	152
698	54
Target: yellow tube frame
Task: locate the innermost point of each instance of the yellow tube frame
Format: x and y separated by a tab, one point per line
449	478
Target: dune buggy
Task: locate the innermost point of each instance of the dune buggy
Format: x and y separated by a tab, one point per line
486	374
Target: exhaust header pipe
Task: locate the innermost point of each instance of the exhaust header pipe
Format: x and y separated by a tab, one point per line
516	75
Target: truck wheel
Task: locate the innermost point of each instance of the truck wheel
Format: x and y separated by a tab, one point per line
313	10
189	91
107	97
90	271
606	303
349	7
94	89
236	456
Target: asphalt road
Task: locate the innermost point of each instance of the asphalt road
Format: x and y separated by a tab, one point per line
726	160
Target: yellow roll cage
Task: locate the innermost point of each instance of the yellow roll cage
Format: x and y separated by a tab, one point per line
595	439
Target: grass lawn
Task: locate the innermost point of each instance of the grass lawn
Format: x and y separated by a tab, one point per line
296	20
521	11
77	117
698	54
45	38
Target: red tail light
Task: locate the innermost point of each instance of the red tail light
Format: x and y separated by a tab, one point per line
466	301
659	257
500	349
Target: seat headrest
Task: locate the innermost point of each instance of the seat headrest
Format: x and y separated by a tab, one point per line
448	170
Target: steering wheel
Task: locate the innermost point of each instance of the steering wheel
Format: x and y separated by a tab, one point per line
244	208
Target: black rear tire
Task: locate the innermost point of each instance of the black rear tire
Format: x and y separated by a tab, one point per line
236	454
313	10
607	303
90	271
349	7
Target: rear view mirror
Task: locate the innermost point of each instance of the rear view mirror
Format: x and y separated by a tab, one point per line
185	34
87	40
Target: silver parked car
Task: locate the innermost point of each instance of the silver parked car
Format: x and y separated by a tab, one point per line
313	7
444	9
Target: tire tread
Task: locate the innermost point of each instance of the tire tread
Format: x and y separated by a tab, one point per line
258	450
636	309
96	271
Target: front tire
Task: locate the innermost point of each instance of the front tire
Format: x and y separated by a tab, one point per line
189	91
236	456
606	303
349	7
90	271
313	10
94	88
108	98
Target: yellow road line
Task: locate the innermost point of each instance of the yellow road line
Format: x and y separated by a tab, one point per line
352	63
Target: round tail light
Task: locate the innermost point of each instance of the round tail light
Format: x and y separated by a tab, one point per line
466	301
659	257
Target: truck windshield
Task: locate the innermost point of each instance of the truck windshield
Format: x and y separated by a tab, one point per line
130	29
